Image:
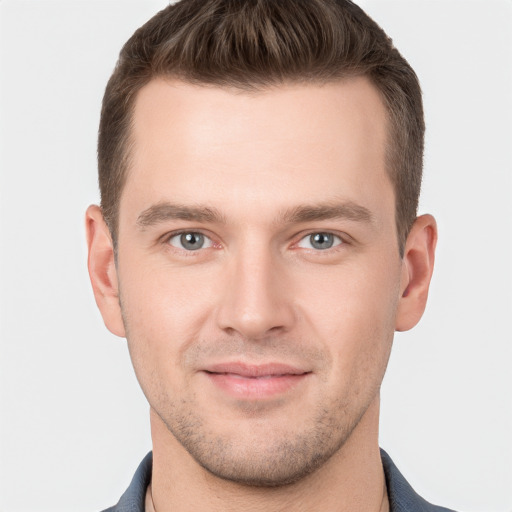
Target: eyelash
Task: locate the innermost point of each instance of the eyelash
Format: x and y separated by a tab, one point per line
328	250
343	241
167	239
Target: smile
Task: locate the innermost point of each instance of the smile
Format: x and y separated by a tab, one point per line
253	382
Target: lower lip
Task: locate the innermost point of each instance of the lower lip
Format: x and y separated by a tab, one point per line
256	388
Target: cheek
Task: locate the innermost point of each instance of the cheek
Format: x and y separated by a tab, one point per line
164	312
352	311
161	300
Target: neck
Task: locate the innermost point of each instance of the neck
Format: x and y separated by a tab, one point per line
352	479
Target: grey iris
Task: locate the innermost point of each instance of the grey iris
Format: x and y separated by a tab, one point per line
192	241
321	240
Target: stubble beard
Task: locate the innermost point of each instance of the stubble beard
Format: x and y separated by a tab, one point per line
265	457
268	459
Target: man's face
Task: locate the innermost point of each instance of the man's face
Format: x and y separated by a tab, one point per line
258	270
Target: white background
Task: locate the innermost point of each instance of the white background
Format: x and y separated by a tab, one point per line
74	424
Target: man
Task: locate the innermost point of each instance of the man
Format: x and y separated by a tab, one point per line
257	244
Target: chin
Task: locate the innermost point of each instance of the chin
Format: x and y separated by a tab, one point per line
265	456
277	471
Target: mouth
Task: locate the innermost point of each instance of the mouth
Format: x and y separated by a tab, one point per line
245	381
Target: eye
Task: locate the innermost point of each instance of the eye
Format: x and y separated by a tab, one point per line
320	241
190	241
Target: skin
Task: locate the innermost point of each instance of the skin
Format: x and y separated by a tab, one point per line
257	175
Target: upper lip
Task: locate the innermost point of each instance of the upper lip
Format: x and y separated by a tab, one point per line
255	370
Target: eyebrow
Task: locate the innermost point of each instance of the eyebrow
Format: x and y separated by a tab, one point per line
332	210
165	211
162	212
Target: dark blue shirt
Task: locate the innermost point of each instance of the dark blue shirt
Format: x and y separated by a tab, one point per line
402	497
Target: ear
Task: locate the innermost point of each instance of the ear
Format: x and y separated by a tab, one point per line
102	270
417	268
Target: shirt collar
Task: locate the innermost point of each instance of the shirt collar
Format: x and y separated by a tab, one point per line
402	497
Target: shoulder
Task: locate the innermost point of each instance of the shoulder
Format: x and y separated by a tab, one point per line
134	497
402	497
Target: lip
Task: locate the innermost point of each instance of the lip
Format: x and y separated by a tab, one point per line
247	381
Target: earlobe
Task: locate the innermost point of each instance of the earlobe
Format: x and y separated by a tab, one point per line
102	270
417	268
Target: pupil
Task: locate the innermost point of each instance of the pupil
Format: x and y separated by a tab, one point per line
192	241
321	240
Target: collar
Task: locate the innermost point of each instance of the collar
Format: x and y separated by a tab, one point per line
402	497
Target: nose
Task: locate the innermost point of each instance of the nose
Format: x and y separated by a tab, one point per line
257	297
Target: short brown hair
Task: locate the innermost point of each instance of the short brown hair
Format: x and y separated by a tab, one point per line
253	44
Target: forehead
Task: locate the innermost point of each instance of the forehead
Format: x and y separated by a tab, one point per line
200	143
